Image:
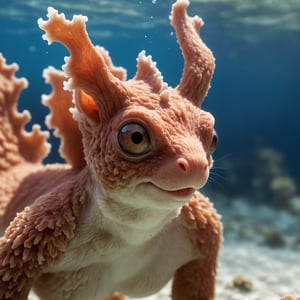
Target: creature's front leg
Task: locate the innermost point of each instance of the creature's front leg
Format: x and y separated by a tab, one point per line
35	239
196	279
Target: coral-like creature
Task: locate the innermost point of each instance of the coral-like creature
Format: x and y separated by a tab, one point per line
124	214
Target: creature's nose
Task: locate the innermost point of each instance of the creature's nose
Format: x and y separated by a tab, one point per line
185	171
192	165
192	171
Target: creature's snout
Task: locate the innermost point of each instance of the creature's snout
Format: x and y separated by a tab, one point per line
185	171
192	171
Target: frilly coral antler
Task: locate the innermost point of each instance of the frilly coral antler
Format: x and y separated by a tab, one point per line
87	66
149	73
199	62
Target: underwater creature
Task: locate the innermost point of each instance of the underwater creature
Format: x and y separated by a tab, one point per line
124	214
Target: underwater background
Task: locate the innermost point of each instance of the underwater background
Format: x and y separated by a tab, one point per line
255	97
255	90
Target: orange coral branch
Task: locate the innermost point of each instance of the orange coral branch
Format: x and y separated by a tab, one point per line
60	118
17	145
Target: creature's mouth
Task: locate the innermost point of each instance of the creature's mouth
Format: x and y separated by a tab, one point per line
181	194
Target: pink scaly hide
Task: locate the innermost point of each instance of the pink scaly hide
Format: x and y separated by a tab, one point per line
124	214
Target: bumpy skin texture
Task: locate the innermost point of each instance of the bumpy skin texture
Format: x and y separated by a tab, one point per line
124	213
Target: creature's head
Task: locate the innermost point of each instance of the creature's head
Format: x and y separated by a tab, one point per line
141	136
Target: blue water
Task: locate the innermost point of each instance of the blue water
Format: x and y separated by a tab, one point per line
255	92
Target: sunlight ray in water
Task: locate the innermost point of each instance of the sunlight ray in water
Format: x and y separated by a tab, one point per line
277	14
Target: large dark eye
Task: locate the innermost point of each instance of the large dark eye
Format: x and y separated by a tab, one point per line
134	139
214	142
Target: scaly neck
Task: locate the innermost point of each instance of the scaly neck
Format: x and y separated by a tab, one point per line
131	224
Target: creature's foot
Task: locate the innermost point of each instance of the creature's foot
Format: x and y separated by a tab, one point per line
114	296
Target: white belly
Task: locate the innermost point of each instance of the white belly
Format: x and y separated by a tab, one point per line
136	271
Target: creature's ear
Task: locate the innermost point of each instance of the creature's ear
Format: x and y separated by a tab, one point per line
87	105
88	69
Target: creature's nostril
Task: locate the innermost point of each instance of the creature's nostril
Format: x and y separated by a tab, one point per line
186	166
183	164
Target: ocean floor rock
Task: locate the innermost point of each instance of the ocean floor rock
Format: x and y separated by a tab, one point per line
250	272
272	273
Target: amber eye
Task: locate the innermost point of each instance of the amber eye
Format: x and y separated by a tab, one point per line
134	139
214	142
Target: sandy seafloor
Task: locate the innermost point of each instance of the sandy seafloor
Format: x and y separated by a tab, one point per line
264	274
260	258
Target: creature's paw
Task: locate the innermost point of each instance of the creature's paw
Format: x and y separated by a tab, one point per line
114	296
